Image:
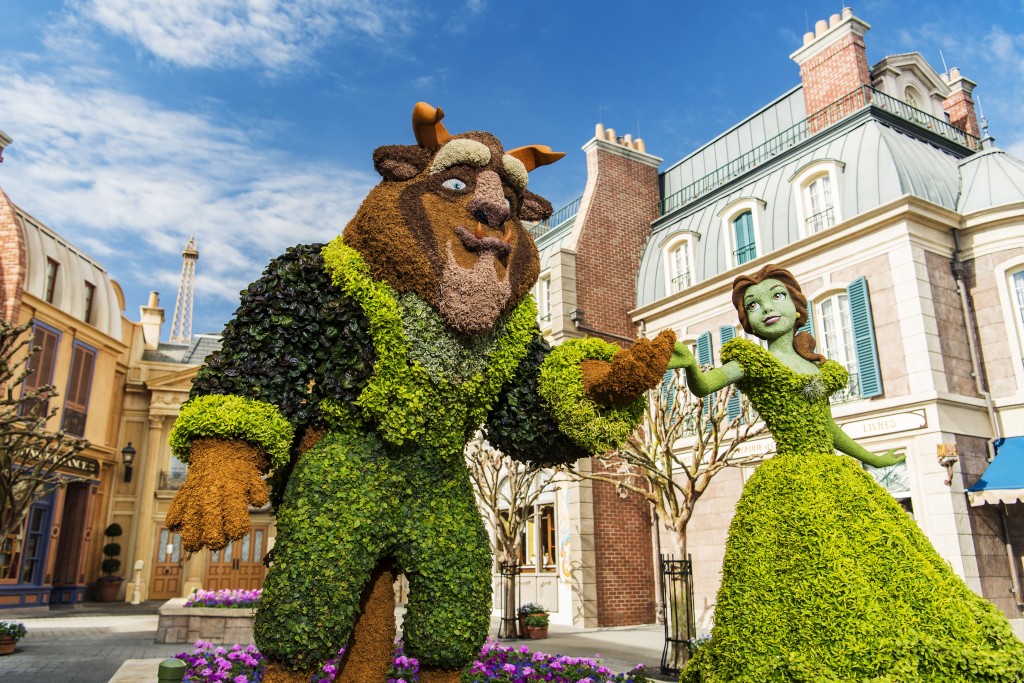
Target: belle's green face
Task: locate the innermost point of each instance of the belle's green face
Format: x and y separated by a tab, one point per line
770	309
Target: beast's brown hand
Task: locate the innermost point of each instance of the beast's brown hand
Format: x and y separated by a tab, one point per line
211	508
630	372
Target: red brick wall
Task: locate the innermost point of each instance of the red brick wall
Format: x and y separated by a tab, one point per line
616	226
623	201
960	108
623	553
12	261
836	71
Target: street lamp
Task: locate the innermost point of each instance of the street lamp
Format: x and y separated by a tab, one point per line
128	457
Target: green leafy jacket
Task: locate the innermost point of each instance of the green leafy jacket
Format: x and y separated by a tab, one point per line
317	342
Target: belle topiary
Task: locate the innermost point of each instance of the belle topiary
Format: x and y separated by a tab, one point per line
825	577
356	371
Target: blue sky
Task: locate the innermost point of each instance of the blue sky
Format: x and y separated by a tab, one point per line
251	123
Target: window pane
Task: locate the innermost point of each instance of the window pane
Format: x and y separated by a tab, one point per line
1018	287
161	550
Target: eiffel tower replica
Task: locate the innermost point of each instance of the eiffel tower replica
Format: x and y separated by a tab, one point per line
181	327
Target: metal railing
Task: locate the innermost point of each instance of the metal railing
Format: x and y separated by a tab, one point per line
680	282
171	481
556	219
850	393
744	254
851	102
821	220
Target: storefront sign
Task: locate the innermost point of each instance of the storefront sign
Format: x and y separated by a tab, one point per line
897	422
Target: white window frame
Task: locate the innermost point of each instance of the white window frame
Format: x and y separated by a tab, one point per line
801	182
669	247
731	212
1004	273
542	295
848	357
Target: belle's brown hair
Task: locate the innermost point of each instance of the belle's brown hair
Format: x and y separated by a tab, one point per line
803	342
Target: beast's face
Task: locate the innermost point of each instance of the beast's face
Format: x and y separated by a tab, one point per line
446	222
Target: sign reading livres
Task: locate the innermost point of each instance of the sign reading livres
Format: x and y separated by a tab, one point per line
888	424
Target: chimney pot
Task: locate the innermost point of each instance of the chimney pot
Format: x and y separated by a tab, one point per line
954	73
847	12
808	37
820	27
609	134
154	299
833	20
599	131
639	145
628	139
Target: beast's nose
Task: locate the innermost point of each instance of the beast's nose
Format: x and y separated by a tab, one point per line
488	205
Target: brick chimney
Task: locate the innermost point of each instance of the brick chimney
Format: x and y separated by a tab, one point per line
612	226
151	317
960	105
833	62
4	142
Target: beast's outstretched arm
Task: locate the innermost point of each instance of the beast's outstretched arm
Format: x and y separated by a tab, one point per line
294	341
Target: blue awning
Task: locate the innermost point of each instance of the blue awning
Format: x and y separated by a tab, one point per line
1003	480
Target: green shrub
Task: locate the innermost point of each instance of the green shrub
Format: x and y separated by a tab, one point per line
537	620
13	629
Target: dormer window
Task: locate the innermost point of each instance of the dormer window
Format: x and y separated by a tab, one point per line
52	269
90	296
678	250
816	193
741	222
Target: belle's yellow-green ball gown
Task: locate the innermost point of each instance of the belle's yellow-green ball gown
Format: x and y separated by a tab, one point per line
825	577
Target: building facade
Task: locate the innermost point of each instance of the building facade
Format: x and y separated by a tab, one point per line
73	308
904	224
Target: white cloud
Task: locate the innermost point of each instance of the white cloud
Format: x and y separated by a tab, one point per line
273	34
123	177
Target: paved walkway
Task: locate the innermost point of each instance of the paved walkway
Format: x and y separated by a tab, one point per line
91	643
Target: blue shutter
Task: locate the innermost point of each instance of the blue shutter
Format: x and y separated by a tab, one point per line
808	326
704	358
743	229
727	332
864	338
668	391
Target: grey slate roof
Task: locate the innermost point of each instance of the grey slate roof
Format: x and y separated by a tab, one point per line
880	163
990	178
193	354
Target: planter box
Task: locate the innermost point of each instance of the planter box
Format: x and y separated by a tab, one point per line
220	625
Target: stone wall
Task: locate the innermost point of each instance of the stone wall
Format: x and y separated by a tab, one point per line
219	625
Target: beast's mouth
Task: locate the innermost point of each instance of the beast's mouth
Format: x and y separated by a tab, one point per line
479	243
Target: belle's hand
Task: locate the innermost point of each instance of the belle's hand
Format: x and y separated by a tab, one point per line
890	457
681	357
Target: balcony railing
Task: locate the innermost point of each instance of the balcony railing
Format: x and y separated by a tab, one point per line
556	219
821	119
850	393
680	282
171	481
821	220
73	422
744	254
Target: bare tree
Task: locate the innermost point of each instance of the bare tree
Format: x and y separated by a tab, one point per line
31	456
506	491
672	474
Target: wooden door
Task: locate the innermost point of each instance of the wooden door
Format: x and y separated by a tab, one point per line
166	579
240	565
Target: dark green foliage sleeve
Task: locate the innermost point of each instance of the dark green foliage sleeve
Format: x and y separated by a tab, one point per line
521	426
295	340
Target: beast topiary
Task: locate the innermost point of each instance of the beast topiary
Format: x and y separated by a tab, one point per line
356	371
825	577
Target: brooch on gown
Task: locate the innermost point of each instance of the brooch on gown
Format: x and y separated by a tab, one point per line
814	389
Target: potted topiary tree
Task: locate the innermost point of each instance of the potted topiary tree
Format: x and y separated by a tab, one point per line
537	626
108	586
10	633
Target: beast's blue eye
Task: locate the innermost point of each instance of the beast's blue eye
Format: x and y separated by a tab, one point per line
454	184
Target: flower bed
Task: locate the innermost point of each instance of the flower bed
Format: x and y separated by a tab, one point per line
224	598
496	664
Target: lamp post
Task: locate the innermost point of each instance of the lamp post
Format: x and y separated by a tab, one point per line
128	457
